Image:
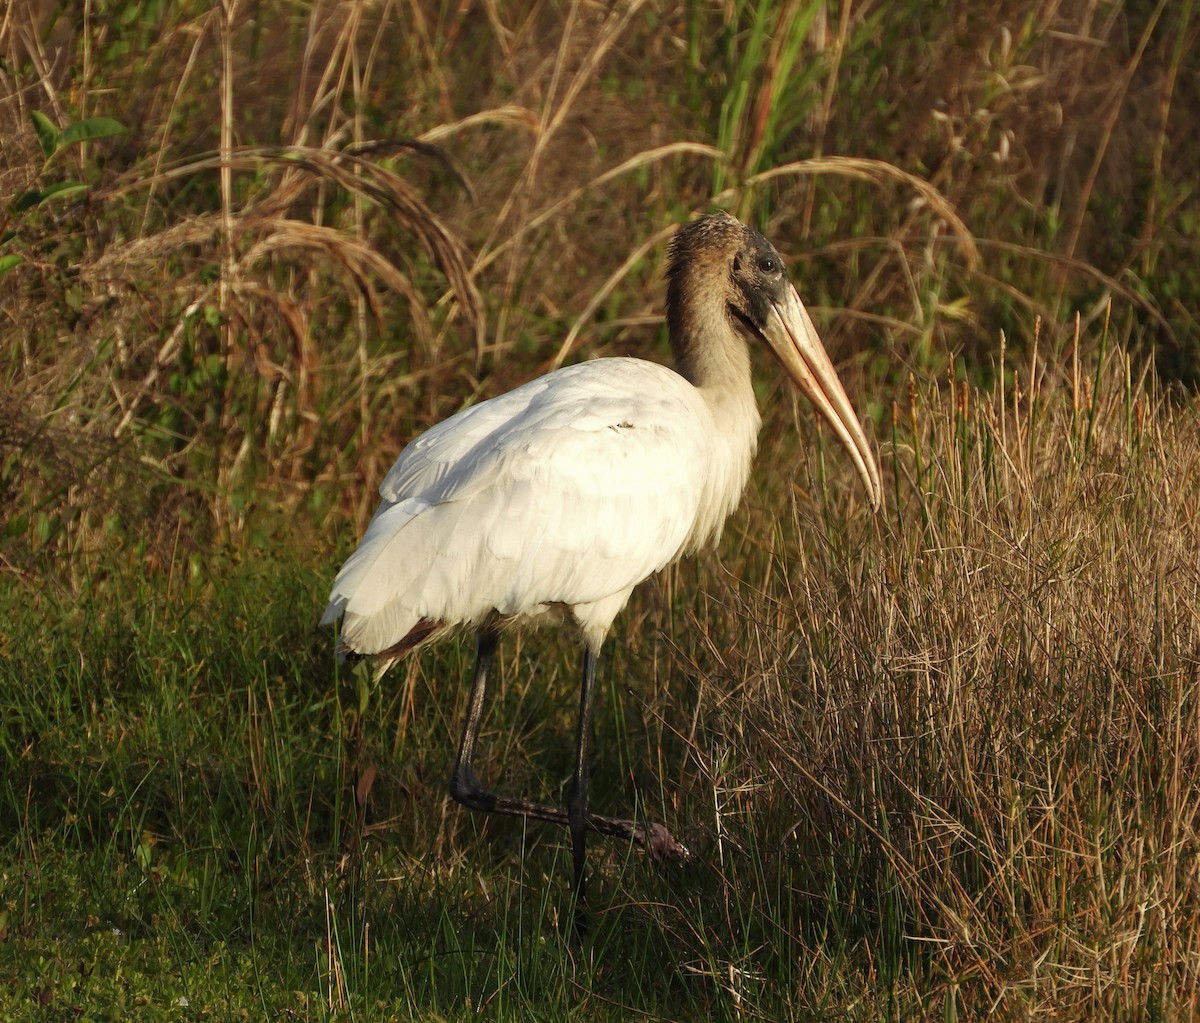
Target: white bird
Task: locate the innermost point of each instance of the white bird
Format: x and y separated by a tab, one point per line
556	499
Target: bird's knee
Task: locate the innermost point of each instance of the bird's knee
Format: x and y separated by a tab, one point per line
467	789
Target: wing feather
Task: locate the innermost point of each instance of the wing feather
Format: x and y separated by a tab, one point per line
569	490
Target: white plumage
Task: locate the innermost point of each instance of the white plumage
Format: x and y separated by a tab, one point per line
562	495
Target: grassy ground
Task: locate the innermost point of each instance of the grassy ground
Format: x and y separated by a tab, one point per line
934	762
938	762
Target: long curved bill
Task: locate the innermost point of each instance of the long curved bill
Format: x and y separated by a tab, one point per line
793	340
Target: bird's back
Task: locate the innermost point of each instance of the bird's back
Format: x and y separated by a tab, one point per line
564	493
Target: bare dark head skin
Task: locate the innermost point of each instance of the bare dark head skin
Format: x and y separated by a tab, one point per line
718	253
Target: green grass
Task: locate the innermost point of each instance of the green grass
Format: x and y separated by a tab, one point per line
182	826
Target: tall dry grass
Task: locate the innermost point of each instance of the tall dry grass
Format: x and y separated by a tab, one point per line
960	743
393	209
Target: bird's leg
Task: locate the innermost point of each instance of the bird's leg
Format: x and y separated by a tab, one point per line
577	796
465	786
467	789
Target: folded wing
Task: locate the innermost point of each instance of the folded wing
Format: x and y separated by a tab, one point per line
568	491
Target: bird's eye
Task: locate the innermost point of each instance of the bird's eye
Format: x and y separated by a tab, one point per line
767	264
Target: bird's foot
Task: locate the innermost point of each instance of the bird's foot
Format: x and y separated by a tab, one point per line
663	847
658	842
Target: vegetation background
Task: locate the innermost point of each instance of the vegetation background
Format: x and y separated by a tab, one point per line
939	762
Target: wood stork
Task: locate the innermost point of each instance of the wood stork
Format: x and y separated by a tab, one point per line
556	499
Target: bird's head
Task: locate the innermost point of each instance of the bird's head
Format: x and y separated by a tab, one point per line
718	255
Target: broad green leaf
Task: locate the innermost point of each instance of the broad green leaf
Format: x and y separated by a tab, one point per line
36	196
46	132
89	129
63	190
9	261
27	199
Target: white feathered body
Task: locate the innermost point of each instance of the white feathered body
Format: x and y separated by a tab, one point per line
563	494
